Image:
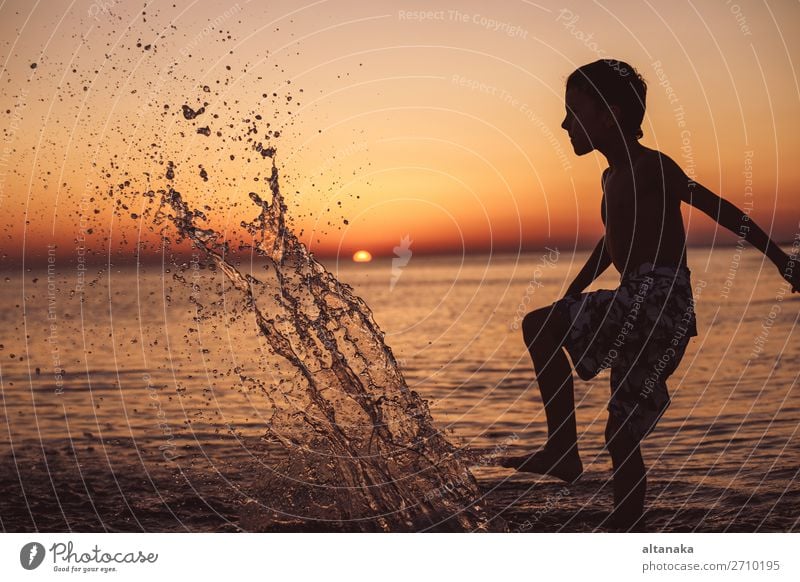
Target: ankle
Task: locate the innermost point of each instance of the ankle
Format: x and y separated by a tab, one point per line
561	447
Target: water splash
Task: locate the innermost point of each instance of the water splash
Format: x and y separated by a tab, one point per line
360	451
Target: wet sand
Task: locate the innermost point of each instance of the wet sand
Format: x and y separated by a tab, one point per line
110	489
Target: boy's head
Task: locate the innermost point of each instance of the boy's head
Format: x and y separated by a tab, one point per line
605	100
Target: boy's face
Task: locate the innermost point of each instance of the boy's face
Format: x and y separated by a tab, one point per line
586	124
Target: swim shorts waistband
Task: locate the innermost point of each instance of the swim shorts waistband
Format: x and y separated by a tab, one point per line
658	271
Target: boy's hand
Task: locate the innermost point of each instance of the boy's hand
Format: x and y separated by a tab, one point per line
573	290
790	270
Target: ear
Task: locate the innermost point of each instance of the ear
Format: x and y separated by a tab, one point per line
613	116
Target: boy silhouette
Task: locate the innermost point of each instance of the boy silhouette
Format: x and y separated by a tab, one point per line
641	329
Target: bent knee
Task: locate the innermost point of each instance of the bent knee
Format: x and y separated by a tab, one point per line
534	327
534	320
542	326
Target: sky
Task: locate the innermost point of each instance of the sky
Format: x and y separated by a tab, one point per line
430	120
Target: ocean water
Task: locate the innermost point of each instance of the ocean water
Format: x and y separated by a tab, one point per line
119	415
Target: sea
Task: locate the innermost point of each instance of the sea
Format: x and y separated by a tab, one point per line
125	406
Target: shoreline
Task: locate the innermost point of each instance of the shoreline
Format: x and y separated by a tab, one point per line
88	491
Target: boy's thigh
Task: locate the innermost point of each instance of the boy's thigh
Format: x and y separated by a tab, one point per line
591	325
639	394
548	323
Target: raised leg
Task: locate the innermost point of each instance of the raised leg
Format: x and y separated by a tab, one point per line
630	476
543	332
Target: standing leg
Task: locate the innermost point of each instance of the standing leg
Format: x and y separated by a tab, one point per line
543	332
630	475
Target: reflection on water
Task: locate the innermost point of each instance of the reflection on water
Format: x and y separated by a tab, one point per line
137	437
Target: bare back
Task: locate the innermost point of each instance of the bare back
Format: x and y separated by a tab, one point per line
641	212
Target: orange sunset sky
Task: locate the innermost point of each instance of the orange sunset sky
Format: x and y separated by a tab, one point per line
436	120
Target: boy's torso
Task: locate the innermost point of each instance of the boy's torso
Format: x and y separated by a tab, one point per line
641	212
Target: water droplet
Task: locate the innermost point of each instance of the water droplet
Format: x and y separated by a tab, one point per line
190	113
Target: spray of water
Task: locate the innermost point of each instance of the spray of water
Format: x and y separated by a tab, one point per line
357	447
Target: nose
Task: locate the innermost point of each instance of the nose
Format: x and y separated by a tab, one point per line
564	123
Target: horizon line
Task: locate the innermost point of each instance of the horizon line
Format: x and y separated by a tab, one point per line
95	260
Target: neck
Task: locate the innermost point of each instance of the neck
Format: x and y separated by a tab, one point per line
621	154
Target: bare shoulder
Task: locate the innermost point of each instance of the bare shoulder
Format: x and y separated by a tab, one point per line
658	163
660	171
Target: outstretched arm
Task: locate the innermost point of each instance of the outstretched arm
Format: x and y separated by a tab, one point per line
740	223
598	262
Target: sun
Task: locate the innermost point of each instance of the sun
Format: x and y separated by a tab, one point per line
362	256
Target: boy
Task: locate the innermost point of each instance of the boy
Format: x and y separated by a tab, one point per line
641	329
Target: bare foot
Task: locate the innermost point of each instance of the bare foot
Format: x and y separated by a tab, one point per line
565	466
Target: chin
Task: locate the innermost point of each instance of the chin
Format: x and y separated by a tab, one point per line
582	149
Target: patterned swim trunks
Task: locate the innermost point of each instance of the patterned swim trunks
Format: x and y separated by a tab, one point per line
640	331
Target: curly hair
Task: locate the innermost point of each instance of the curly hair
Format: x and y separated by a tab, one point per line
611	82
